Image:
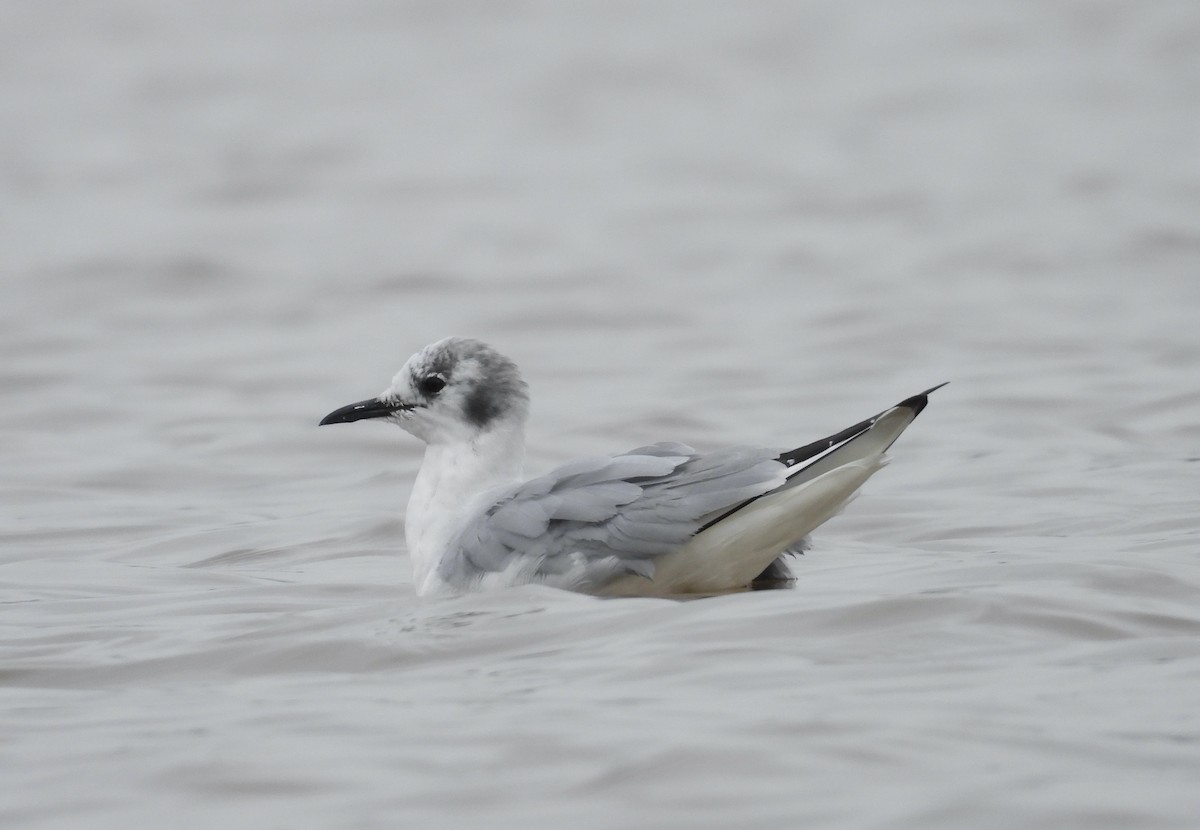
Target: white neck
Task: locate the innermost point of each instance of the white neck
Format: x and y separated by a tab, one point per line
453	473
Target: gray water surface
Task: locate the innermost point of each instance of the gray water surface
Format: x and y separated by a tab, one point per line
714	223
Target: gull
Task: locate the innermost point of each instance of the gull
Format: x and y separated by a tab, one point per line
659	520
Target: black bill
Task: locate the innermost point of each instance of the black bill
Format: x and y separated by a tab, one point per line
371	408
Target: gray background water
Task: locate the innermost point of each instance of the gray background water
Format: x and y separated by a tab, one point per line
709	222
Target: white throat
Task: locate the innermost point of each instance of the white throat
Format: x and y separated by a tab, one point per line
453	475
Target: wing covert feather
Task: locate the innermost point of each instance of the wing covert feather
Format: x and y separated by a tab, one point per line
599	517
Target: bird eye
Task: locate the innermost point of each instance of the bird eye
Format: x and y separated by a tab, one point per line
431	385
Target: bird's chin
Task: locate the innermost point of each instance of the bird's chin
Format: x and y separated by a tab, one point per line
412	421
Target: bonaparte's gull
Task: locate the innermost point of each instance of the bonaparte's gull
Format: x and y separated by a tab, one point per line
654	521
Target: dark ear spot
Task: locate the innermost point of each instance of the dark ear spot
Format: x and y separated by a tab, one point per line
484	405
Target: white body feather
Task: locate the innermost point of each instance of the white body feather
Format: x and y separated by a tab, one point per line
452	484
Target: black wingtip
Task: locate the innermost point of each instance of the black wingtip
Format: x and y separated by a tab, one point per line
918	402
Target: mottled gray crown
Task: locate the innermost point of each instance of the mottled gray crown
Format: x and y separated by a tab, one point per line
491	384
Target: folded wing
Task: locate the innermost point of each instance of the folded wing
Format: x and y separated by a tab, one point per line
597	518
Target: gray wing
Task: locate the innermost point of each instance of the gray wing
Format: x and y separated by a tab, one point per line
594	519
